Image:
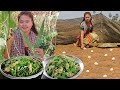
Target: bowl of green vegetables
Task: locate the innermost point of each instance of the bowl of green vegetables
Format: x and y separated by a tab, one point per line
21	67
62	67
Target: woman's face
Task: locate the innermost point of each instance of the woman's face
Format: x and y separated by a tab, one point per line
87	18
25	22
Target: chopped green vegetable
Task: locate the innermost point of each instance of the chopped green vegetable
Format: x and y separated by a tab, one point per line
21	68
62	67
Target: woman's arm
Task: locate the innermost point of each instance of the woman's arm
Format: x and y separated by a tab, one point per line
82	37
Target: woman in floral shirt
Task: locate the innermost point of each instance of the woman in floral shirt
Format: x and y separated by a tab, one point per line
86	36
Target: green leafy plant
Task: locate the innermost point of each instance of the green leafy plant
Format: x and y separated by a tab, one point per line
6	22
27	41
40	36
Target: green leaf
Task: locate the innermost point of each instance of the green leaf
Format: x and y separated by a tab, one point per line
1	59
31	47
12	23
4	16
4	23
40	36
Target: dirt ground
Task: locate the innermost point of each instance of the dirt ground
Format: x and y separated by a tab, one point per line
108	60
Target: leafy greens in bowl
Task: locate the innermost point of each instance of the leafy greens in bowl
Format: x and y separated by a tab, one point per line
63	67
22	67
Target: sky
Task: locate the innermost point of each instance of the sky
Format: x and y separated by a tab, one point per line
78	14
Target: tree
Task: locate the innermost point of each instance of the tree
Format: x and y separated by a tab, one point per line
115	17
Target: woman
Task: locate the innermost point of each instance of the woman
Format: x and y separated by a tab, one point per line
86	36
16	45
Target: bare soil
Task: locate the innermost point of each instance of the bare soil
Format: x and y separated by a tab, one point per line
105	63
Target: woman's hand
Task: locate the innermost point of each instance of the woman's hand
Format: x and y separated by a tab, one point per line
40	52
11	36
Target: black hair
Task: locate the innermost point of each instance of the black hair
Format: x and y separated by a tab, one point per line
89	30
28	13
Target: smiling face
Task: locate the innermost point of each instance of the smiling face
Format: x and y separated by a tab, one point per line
25	22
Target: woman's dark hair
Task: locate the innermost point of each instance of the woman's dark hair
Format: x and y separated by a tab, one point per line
28	13
90	20
85	15
88	14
